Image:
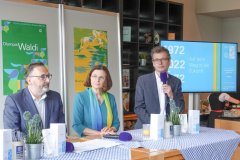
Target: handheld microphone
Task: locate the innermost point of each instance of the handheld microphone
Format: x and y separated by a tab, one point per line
163	77
111	136
69	147
123	136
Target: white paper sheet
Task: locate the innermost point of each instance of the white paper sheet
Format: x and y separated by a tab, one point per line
93	145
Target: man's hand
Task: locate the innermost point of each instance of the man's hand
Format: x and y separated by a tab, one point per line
168	90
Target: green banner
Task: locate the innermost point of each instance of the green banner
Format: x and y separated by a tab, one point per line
22	44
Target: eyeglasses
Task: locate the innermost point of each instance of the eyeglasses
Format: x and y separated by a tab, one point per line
99	78
160	60
44	76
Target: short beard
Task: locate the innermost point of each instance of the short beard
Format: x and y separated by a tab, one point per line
45	89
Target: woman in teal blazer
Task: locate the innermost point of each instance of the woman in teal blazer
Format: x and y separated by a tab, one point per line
95	110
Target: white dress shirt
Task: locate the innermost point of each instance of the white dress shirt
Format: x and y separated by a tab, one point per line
40	104
161	95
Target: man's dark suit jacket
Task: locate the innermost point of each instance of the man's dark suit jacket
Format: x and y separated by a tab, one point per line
17	104
147	99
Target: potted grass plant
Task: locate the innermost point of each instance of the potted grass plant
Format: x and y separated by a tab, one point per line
143	58
33	136
175	118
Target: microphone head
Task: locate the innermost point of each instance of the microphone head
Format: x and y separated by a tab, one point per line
163	77
125	136
69	147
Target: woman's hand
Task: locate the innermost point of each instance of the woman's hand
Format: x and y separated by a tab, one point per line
108	130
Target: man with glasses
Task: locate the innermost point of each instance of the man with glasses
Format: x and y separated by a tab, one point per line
152	96
35	98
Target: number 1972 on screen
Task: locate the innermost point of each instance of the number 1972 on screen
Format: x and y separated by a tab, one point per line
175	49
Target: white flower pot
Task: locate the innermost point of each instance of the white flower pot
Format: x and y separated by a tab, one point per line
143	62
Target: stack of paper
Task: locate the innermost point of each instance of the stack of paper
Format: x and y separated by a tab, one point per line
93	145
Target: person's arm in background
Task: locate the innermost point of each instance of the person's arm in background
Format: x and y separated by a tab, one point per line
78	119
140	107
233	100
226	97
11	115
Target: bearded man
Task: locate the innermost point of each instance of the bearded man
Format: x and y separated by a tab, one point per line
35	98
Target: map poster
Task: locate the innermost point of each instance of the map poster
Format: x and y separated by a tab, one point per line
22	44
90	49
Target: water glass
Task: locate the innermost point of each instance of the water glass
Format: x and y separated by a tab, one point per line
146	131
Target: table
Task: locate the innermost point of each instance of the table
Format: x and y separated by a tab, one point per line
228	124
209	144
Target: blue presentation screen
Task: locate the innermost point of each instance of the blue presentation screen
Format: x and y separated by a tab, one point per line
203	66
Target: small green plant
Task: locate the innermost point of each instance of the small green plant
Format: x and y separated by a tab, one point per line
33	133
143	55
174	116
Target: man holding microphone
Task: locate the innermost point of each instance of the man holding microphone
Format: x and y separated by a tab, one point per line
153	92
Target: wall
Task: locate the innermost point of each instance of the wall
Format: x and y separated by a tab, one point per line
197	27
230	30
210	28
207	6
